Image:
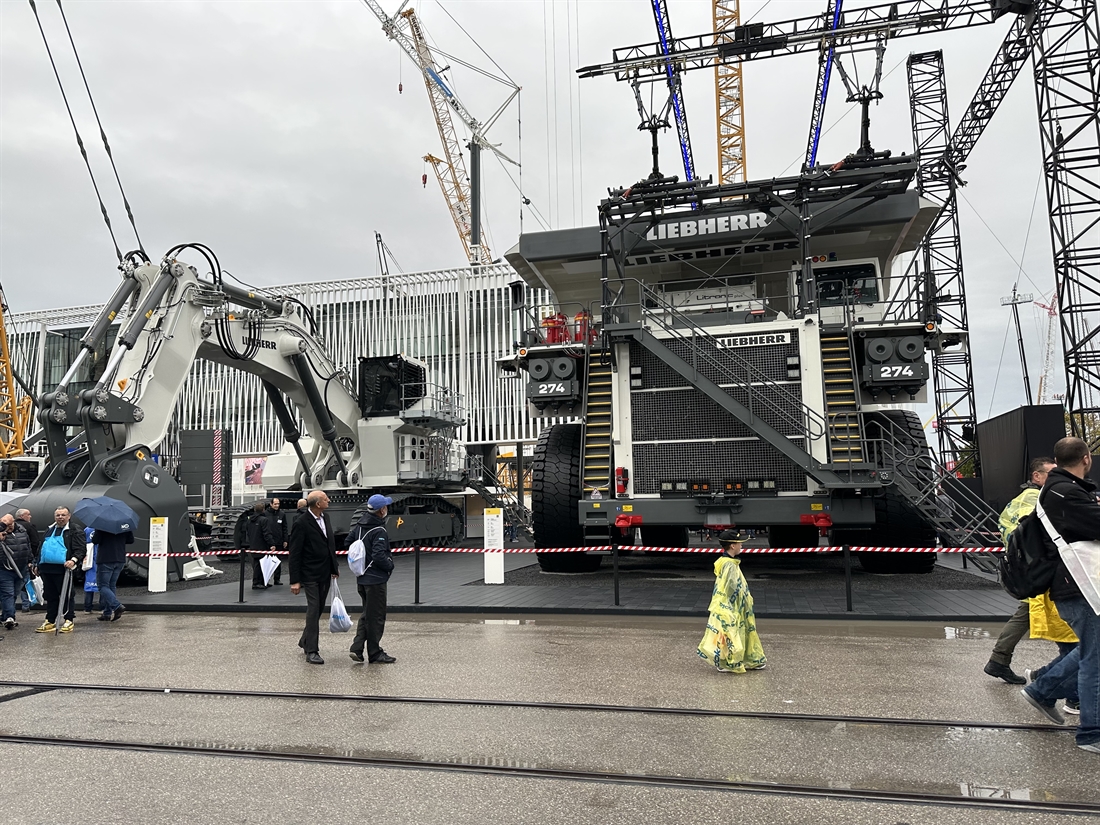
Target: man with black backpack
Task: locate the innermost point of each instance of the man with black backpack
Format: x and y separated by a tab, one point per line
1069	499
999	665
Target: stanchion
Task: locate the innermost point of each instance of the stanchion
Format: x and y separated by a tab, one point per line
240	598
416	575
848	576
615	569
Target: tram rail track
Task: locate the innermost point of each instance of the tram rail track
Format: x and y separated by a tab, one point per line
560	774
31	688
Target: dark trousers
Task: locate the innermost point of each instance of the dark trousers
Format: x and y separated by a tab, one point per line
257	571
1015	629
316	595
51	592
372	622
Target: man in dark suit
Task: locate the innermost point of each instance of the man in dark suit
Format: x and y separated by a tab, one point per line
313	566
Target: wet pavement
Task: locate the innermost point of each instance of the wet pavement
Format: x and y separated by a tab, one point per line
839	669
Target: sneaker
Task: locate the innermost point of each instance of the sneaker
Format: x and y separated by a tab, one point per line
68	626
105	617
1049	711
356	656
1072	707
999	671
118	613
46	627
383	658
10	622
1092	747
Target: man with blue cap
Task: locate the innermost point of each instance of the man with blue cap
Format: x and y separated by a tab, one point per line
371	530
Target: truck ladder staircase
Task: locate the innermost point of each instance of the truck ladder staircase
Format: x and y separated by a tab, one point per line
841	400
961	518
596	449
488	486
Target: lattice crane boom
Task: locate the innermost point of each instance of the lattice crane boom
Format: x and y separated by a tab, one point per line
729	103
675	90
14	412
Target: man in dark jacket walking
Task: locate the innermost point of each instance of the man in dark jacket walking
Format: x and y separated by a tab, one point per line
63	548
280	533
23	518
110	560
313	566
371	530
1069	498
260	542
15	560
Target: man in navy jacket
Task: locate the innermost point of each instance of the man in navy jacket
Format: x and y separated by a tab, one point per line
371	529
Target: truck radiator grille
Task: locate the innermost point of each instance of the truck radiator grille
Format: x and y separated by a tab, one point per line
687	413
714	462
771	360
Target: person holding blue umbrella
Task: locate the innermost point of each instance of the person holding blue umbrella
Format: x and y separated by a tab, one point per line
114	523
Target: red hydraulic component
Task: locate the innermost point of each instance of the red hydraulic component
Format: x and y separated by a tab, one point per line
581	322
622	478
557	330
822	521
627	520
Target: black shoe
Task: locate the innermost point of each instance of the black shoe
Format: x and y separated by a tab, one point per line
118	613
314	659
259	587
998	671
383	658
105	617
356	656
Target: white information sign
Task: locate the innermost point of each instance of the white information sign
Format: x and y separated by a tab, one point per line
494	545
158	555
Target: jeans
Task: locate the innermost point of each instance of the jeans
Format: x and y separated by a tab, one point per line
316	594
1064	649
107	579
1086	624
372	622
1015	629
26	583
10	581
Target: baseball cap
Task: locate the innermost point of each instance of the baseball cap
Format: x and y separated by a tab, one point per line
378	501
727	536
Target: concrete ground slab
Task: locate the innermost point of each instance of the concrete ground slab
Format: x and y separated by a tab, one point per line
856	668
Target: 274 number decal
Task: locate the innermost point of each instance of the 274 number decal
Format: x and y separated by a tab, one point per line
553	388
896	371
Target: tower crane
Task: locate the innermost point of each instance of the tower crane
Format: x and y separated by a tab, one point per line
729	101
13	412
460	189
1048	353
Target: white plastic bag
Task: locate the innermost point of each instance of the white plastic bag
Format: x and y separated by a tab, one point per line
36	583
89	558
338	619
357	557
268	565
1082	559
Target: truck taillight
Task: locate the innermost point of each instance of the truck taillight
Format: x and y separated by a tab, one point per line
622	478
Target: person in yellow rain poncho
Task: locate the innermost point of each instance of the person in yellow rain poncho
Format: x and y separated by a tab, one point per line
1047	624
731	643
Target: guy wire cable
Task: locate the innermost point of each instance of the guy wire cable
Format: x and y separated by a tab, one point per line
102	133
79	141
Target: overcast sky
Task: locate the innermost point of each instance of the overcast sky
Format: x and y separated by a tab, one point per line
275	133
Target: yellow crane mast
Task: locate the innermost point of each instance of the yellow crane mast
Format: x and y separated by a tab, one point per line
13	411
450	170
728	98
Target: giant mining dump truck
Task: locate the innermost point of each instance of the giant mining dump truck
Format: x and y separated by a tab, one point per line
740	355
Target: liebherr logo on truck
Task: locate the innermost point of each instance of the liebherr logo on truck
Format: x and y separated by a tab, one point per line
259	342
708	226
764	340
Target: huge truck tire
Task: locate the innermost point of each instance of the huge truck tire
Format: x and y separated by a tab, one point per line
555	497
897	521
793	535
664	535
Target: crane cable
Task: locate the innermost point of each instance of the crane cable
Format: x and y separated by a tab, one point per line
80	141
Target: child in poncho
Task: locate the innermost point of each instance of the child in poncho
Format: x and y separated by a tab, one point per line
731	643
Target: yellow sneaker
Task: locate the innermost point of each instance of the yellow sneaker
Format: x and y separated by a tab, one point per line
46	627
67	627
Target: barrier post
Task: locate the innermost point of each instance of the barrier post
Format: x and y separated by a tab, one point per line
615	569
848	576
416	572
240	597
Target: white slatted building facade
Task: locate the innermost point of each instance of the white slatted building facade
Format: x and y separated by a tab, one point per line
416	314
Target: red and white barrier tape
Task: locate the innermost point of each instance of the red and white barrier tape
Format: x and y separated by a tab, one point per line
711	550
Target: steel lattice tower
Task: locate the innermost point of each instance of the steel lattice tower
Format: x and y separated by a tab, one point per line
941	256
1066	56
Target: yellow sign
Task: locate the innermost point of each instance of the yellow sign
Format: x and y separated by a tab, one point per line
400	521
140	455
493	511
817	506
596	506
628	508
